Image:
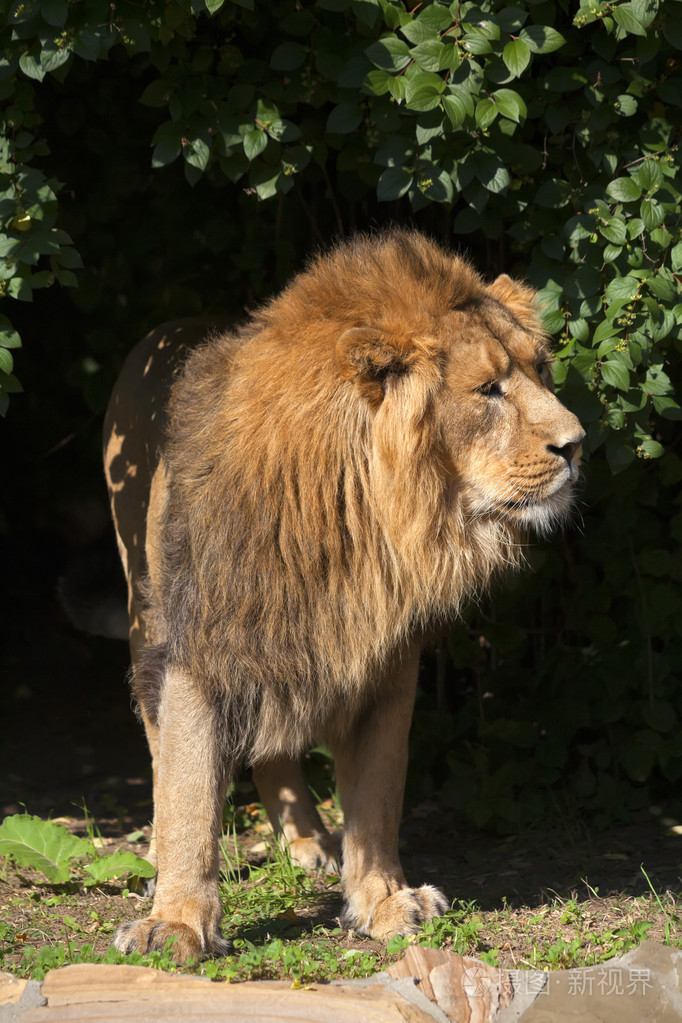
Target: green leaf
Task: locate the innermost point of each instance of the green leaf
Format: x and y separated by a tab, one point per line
423	91
510	104
389	53
118	864
9	338
54	12
541	38
622	287
486	112
288	56
6	361
491	172
657	381
393	183
624	189
165	152
616	373
652	213
553	193
197	154
41	845
625	105
344	118
625	16
649	175
30	66
255	141
516	55
456	109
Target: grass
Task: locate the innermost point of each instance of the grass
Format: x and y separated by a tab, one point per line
284	921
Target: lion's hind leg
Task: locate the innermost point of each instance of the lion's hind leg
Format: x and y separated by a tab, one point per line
284	793
191	782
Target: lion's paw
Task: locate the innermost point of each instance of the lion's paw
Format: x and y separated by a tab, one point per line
151	935
319	853
403	913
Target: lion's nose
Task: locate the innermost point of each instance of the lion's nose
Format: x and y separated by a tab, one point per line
569	449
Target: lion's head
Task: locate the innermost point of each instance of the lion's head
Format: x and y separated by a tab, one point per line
460	373
356	460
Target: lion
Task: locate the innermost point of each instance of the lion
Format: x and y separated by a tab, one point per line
298	501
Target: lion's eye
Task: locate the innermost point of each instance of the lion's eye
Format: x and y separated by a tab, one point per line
491	389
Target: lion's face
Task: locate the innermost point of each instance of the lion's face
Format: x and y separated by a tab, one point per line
508	441
467	384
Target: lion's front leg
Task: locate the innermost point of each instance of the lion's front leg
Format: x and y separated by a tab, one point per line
371	763
191	782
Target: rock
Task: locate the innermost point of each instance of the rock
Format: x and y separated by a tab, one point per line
426	986
643	985
94	993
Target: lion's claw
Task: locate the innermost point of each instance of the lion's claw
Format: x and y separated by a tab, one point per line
152	935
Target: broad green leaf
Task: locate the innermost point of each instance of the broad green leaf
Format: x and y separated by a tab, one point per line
6	361
288	56
9	338
393	183
41	845
553	193
625	105
118	864
434	55
657	381
421	88
378	83
165	152
614	231
624	189
652	213
615	372
54	12
516	56
389	53
491	172
197	154
510	104
648	175
486	112
541	38
31	67
625	16
622	287
606	329
436	185
650	448
344	118
255	141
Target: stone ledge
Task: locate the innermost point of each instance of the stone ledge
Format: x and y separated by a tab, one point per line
426	985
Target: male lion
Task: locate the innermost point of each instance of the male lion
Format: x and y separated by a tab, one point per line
327	482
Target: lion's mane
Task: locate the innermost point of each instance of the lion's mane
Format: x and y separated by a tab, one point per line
310	525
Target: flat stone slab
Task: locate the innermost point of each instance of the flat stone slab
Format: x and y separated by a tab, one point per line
426	985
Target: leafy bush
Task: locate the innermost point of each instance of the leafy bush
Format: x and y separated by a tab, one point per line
546	137
51	849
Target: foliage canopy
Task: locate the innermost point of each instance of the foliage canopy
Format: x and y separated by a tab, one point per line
543	135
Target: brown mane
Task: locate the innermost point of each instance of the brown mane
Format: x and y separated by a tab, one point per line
310	525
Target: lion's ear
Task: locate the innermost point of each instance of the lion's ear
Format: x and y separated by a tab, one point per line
519	299
365	355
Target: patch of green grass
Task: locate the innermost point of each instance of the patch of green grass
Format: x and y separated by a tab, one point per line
283	921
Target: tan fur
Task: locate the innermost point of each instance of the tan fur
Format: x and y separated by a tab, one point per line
343	471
